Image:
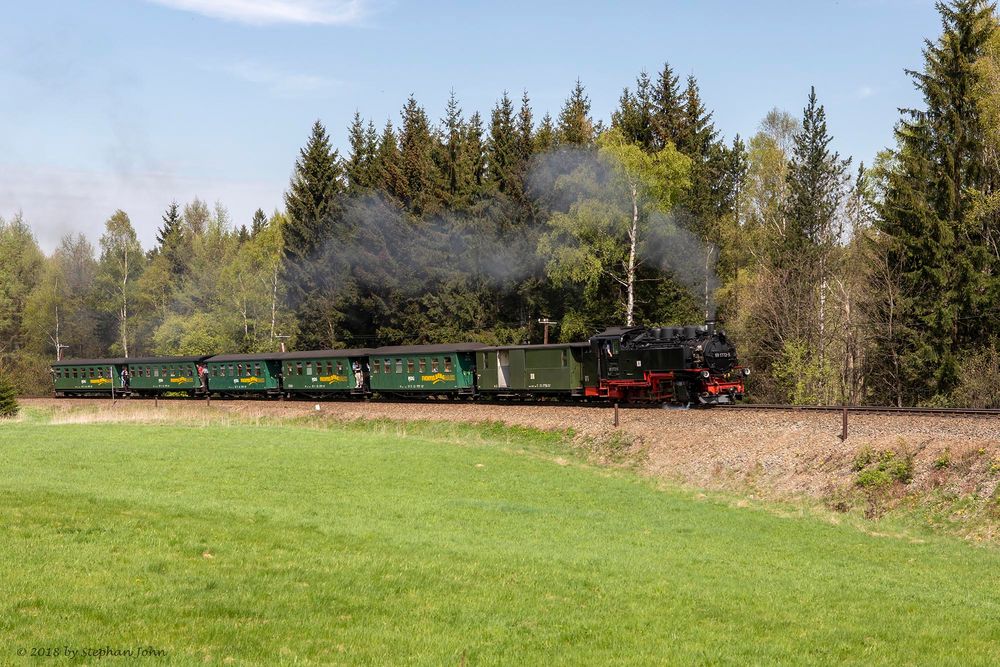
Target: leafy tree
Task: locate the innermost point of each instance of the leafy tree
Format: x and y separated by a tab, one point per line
121	264
20	269
604	236
58	314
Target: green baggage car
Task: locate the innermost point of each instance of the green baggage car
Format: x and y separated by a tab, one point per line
87	377
532	370
319	373
424	369
245	374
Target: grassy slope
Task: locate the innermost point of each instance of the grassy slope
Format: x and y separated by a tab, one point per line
283	544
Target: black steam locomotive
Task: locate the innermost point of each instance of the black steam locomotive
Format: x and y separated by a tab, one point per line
689	364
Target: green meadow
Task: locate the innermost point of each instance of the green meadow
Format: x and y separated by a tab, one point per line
428	544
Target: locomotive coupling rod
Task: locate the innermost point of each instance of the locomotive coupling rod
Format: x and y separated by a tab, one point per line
843	433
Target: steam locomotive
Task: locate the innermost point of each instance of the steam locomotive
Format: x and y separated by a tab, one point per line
681	365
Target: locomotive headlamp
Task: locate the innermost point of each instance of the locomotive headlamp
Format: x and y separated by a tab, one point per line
746	371
705	374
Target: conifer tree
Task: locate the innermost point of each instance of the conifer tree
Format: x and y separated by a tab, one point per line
474	152
452	167
258	223
502	148
525	130
634	116
576	127
416	150
667	110
171	223
8	397
311	200
389	175
545	137
358	166
939	161
816	183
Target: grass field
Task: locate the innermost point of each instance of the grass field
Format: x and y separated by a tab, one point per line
433	544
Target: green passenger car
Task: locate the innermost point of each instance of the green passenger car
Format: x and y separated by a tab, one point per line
324	372
81	377
532	369
154	375
424	369
242	374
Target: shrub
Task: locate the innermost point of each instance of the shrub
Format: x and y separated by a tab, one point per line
863	459
8	398
882	471
943	460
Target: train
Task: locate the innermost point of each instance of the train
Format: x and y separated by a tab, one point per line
686	365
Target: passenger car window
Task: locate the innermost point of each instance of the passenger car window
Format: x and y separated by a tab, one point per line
447	364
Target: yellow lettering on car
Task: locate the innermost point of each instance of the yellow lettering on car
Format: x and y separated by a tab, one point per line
437	377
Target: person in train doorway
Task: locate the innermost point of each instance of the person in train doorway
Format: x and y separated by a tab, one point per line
125	378
203	376
359	376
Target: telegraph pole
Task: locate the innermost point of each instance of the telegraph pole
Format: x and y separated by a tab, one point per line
545	322
281	338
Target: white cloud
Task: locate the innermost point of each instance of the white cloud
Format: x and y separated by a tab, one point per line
266	12
279	83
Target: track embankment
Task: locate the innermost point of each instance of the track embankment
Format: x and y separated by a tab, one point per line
947	468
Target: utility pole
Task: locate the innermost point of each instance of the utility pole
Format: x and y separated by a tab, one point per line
281	338
59	349
545	322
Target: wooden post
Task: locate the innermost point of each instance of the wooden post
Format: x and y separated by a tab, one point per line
843	433
616	415
156	400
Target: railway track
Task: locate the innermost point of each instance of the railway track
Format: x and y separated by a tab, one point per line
877	409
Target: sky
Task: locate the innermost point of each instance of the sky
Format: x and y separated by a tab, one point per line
132	104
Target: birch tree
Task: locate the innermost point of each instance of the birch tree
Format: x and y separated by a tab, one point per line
121	264
602	234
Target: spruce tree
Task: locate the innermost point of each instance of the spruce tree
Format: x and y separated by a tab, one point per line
502	149
816	182
545	137
258	223
634	116
667	110
416	150
940	159
452	168
388	173
171	222
358	166
311	200
8	398
576	127
525	131
474	152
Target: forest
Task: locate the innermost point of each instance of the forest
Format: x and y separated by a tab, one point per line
839	282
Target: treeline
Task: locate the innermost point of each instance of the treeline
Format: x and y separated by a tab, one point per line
840	283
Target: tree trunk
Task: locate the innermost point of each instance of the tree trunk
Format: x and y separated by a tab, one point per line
633	238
